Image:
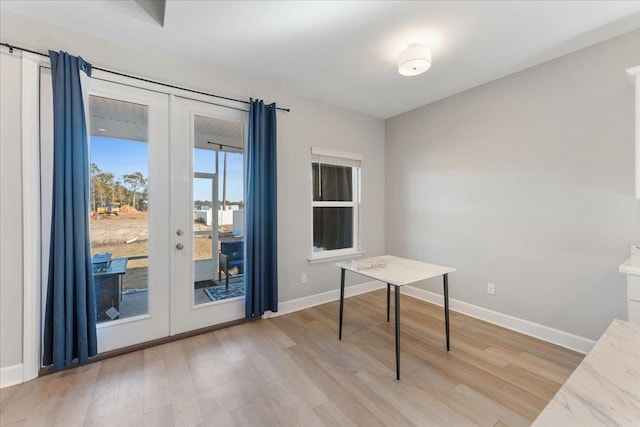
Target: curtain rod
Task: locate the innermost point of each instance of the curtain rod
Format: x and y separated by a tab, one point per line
12	47
224	145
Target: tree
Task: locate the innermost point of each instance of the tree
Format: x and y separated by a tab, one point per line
134	182
104	188
94	170
120	192
144	198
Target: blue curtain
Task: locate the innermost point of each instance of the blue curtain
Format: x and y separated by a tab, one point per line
70	318
261	267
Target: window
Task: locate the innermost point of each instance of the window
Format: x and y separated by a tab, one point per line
335	178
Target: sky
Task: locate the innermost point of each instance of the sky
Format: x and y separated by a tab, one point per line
120	157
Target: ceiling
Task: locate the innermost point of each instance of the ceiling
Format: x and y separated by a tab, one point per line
114	118
216	134
345	52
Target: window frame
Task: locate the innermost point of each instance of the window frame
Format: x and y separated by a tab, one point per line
338	158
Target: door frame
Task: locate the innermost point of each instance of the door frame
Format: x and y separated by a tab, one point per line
31	223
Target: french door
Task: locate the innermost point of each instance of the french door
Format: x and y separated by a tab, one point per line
129	157
207	163
155	158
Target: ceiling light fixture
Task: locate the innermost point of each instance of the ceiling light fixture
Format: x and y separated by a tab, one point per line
414	60
102	130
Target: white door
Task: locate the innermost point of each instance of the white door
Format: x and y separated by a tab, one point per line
203	137
129	149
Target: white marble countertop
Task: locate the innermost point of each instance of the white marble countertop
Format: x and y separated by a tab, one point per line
631	265
605	388
394	270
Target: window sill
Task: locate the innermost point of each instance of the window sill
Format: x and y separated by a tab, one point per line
328	258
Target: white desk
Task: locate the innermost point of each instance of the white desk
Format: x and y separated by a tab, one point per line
396	272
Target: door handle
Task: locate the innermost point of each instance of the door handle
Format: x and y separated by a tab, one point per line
179	246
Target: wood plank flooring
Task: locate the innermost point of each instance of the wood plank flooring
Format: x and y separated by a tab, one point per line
292	371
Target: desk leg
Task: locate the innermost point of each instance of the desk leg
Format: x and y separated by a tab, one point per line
397	308
388	300
341	300
446	306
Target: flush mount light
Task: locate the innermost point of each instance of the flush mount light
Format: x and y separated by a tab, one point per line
414	60
102	130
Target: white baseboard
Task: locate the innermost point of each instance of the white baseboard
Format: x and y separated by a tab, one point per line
545	333
11	375
317	299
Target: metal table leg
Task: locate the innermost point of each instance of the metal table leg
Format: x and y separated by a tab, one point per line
397	308
341	300
446	306
388	300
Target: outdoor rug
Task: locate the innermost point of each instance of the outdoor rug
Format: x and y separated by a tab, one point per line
219	292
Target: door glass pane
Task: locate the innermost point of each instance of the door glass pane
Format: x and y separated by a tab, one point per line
332	228
119	207
203	225
218	204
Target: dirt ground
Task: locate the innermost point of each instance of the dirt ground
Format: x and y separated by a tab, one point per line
127	235
112	229
111	234
131	227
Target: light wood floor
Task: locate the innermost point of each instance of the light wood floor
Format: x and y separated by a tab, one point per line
292	370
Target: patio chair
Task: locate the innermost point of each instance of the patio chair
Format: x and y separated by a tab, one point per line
231	255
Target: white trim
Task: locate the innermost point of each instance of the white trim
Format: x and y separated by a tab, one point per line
334	256
318	151
31	216
545	333
11	375
290	306
334	204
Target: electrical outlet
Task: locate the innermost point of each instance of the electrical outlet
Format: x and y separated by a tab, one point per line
491	288
303	278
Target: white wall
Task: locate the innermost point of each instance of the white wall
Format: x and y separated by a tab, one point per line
527	182
10	212
310	123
